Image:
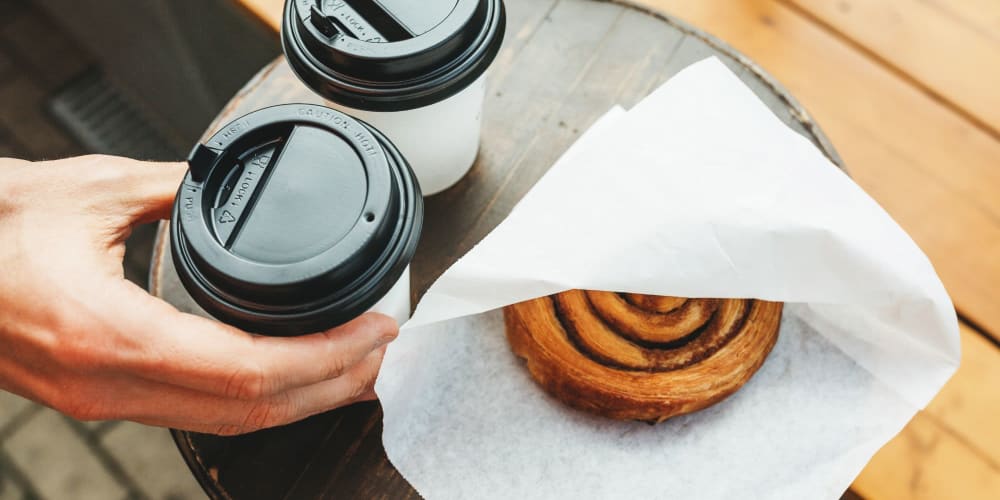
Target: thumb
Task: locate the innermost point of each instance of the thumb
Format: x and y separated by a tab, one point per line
151	190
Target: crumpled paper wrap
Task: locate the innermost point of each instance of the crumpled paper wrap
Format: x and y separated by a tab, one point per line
699	191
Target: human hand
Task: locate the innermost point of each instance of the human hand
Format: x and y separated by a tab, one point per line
76	336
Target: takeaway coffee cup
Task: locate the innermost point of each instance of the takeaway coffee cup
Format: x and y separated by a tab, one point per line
295	219
413	69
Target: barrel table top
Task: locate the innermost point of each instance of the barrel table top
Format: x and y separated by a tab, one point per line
564	63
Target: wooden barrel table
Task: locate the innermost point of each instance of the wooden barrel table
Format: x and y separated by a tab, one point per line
564	63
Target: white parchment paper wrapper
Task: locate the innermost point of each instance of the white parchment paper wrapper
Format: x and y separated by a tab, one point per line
699	191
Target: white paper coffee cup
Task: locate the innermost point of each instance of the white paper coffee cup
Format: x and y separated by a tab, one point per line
414	70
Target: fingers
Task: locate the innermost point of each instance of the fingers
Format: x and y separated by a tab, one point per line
333	352
151	189
180	408
107	379
208	356
142	191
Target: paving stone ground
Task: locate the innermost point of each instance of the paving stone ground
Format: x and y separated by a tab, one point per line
45	455
11	407
58	462
155	467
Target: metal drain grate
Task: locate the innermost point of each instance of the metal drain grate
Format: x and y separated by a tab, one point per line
104	121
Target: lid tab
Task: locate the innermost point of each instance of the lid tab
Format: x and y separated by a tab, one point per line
324	24
202	160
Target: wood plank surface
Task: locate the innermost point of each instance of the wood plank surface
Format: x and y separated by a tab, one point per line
952	449
268	11
925	464
923	145
979	15
941	46
969	404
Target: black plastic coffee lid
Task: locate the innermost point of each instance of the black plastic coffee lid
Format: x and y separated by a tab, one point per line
391	55
294	219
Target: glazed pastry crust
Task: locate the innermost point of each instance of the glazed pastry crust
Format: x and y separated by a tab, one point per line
631	357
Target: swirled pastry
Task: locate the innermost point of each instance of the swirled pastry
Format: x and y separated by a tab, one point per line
640	357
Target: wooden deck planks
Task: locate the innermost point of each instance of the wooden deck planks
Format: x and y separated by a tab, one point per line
925	464
940	45
969	404
268	11
982	16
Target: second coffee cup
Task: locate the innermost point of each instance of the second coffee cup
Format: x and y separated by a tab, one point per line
414	70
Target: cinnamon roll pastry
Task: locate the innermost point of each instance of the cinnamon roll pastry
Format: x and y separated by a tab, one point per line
641	357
